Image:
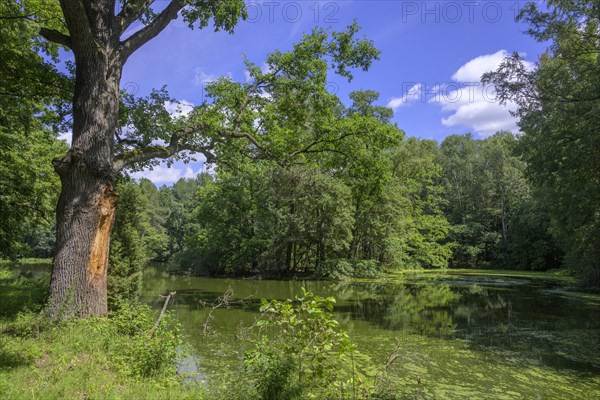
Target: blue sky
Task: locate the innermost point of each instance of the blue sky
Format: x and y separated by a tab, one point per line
433	53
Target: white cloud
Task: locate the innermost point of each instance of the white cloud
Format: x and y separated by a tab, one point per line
472	70
66	137
413	94
483	114
472	105
165	175
201	77
180	108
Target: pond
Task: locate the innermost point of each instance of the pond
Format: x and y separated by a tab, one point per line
459	335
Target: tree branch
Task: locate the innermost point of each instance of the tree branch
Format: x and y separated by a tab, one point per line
153	152
129	141
308	148
55	36
162	313
132	11
7	17
251	139
150	31
78	24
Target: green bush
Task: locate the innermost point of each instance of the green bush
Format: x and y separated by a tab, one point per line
136	349
366	268
301	352
341	269
116	357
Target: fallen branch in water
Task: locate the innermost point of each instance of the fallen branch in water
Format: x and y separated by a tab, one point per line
162	313
222	302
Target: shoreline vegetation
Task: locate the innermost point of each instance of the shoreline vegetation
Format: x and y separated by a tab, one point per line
123	357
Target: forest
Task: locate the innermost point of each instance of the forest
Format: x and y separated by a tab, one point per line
298	183
377	202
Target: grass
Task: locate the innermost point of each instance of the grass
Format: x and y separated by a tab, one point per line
26	261
73	361
94	358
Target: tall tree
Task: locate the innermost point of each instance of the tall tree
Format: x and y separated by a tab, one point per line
86	207
559	113
99	150
488	199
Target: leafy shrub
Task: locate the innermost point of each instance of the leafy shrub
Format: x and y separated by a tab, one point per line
301	351
6	274
366	268
138	351
341	269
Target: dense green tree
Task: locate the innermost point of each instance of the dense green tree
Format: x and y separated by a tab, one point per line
31	85
157	207
183	199
32	99
310	219
417	228
396	194
28	187
494	212
531	243
223	240
372	201
559	113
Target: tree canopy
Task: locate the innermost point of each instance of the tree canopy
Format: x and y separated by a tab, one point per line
559	113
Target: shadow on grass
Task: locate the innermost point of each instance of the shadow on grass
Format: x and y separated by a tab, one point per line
9	359
19	294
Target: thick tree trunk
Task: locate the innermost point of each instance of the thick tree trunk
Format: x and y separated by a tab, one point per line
85	216
86	207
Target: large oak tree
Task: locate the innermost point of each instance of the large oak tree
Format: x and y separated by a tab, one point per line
111	133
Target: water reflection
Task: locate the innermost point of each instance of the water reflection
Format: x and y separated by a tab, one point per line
512	317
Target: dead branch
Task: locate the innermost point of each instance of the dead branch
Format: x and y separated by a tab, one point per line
162	313
222	302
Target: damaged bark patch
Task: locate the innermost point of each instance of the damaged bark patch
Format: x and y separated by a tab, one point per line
98	262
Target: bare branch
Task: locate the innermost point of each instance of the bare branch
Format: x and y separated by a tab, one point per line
150	31
162	313
132	11
55	36
227	301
